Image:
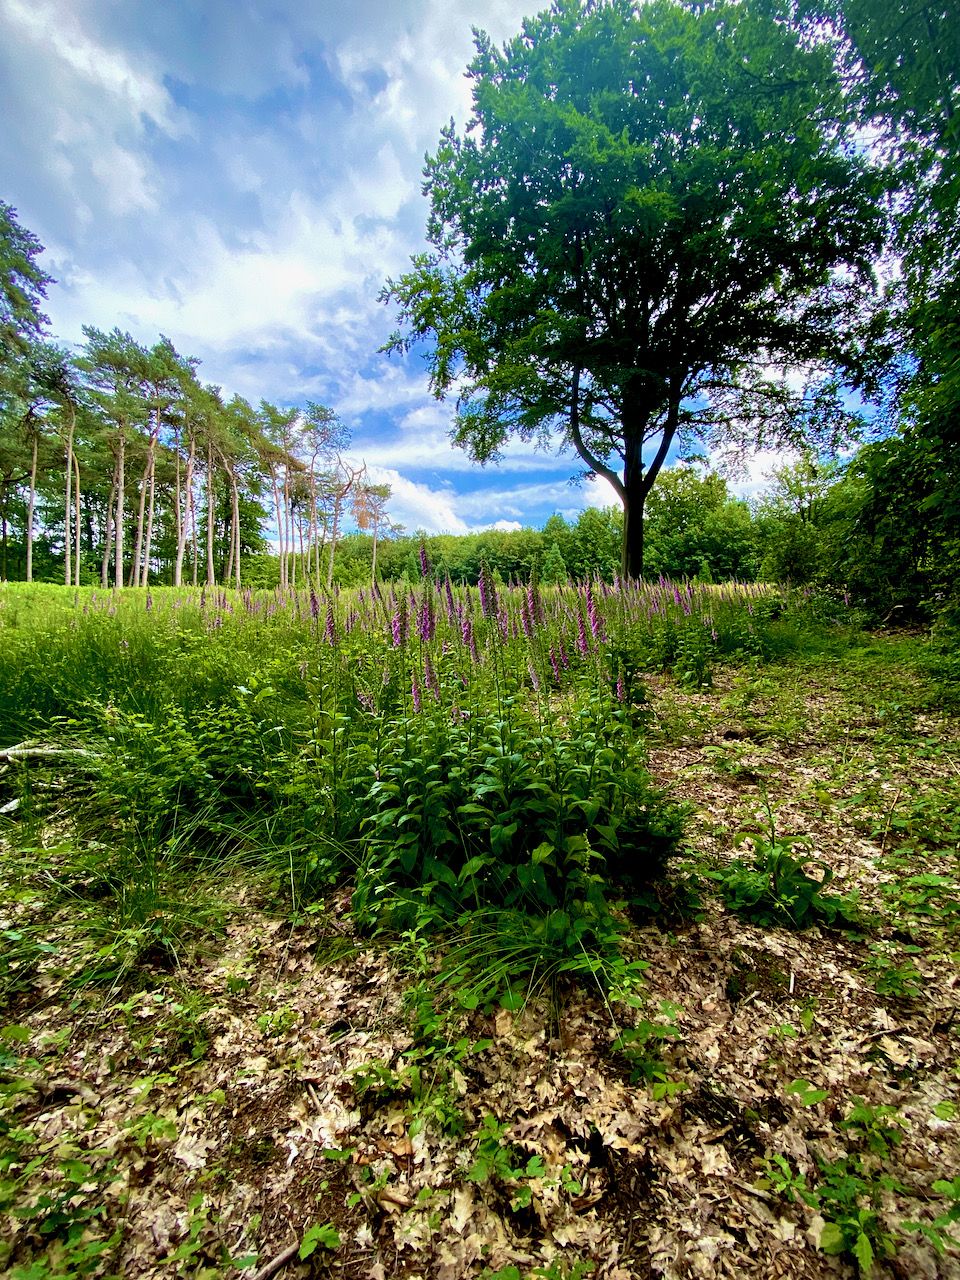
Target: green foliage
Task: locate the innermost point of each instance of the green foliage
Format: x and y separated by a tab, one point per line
775	889
936	1231
847	1195
487	814
641	1046
319	1236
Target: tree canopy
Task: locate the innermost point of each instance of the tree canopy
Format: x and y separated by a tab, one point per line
649	210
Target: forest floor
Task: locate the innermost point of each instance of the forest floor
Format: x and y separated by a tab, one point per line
272	1107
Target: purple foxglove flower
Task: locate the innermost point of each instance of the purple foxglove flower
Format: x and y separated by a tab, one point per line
526	619
314	604
534	604
555	665
415	689
469	640
534	675
621	691
488	592
429	678
592	613
330	631
427	616
149	602
451	607
399	624
425	565
565	661
582	644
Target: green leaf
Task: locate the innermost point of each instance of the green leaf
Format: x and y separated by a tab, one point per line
863	1252
324	1236
472	867
831	1239
16	1032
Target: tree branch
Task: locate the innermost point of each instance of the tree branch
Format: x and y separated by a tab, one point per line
592	462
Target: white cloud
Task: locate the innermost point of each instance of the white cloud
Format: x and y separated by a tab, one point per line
417	506
56	29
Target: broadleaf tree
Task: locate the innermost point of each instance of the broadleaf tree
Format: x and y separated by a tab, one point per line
653	217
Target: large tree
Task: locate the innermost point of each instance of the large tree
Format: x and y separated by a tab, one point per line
651	210
901	64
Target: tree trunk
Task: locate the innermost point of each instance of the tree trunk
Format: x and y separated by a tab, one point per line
108	532
211	577
639	480
181	522
282	546
233	556
118	522
30	505
134	580
150	501
66	502
76	468
235	500
193	532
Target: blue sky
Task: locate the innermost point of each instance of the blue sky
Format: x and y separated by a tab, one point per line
243	176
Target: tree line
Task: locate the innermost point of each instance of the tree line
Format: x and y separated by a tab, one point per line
118	455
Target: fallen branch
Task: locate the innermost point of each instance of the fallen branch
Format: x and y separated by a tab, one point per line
276	1263
41	751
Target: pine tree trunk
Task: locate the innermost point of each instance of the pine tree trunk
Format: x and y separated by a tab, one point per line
193	533
235	495
76	468
30	506
181	522
149	538
108	531
66	502
134	580
282	547
211	577
118	522
177	498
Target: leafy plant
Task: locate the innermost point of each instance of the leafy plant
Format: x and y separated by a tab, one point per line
776	889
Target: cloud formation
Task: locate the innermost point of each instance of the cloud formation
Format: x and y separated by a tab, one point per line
243	179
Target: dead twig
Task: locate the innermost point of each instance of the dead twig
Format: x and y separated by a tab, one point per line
279	1261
